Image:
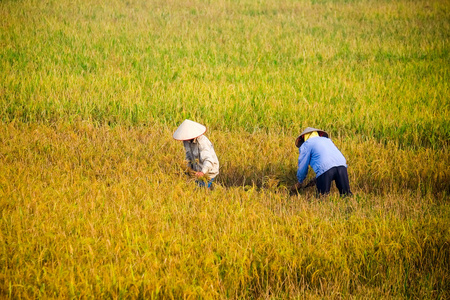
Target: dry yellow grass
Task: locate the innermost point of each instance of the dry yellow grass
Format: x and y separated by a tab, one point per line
94	201
108	212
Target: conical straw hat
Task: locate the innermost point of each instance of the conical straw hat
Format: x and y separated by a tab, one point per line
299	141
189	130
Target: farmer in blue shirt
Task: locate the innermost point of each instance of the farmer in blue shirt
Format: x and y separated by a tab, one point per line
317	150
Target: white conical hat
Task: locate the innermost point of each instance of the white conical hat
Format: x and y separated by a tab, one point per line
189	130
300	140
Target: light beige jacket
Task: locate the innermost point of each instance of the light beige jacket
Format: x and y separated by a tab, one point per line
201	156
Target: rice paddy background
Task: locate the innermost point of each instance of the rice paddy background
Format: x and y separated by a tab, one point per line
94	201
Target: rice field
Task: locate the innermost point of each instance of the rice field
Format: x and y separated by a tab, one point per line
93	196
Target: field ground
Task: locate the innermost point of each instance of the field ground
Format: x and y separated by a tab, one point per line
93	196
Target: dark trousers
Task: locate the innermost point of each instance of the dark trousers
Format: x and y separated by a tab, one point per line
339	175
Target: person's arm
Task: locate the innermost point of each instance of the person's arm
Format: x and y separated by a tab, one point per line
303	163
206	156
189	156
302	169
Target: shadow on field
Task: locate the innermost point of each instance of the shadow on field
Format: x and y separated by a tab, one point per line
265	178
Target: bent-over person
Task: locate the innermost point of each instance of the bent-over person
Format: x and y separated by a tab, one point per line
317	149
200	155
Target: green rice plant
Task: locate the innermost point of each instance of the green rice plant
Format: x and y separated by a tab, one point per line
368	68
94	199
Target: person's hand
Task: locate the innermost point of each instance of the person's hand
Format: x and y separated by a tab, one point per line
199	174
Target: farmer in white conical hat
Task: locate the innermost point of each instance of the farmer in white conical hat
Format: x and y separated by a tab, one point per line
317	150
200	154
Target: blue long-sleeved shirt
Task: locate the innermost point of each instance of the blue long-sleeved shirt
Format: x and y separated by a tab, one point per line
321	154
